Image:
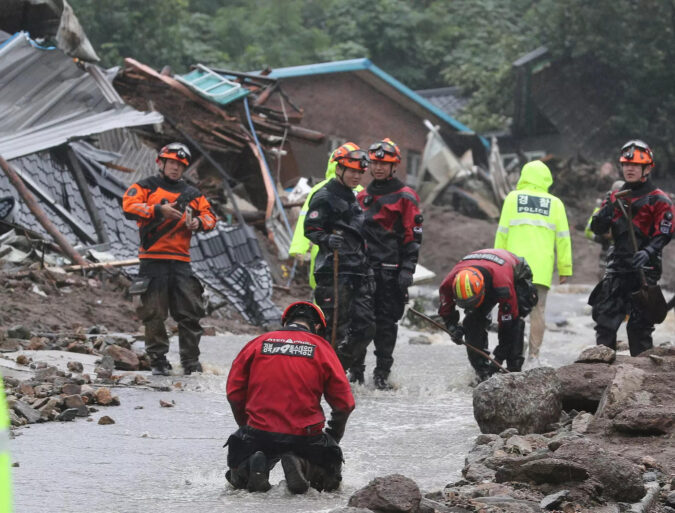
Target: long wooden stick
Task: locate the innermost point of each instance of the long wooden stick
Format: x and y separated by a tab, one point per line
39	214
336	295
474	349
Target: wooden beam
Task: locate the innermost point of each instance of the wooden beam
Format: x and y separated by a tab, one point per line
39	214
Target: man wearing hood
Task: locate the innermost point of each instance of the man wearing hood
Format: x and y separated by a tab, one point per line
533	225
652	222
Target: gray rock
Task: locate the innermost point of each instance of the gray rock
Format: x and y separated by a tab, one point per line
20	332
597	354
125	359
670	499
620	478
546	470
554	500
529	401
485	439
421	340
583	385
46	373
645	420
394	494
349	509
27	412
68	415
618	395
76	402
74	366
581	422
518	445
648	477
508	433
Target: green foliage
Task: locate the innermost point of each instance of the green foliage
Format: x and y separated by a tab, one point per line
424	43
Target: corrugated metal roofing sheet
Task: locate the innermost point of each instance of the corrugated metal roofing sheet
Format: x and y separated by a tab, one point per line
212	86
46	99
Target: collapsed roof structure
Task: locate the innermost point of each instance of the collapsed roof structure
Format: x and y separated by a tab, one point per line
77	146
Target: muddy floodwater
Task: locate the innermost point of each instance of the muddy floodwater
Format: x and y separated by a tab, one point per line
167	460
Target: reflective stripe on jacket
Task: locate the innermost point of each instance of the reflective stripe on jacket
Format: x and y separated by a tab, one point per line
533	225
5	464
165	239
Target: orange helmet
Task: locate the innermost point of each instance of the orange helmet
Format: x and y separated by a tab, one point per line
175	151
304	309
468	288
385	150
637	152
351	156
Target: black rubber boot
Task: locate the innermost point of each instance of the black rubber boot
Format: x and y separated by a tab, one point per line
294	471
190	367
356	376
381	382
160	368
258	473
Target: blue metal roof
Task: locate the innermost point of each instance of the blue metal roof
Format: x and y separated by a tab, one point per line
366	65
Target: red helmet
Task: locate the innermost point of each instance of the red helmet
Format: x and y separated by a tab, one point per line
637	152
304	309
468	288
175	151
385	150
351	156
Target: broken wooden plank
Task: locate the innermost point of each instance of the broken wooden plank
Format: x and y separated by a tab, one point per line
40	214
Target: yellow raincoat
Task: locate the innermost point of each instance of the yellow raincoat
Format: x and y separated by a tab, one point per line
533	225
5	476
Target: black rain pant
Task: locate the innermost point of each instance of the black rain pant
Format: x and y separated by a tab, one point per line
611	301
356	319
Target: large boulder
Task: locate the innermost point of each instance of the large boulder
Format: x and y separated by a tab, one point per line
621	479
597	354
391	494
645	420
528	401
583	385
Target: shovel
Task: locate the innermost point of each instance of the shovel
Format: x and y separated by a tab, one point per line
649	298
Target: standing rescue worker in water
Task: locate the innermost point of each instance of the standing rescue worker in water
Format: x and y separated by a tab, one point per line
300	244
652	213
274	388
393	233
168	212
480	281
335	224
533	225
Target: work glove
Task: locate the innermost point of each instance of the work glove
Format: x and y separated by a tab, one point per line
405	279
456	333
640	258
335	241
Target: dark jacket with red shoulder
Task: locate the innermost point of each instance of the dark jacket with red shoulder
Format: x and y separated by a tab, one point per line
393	224
652	213
498	268
165	239
277	380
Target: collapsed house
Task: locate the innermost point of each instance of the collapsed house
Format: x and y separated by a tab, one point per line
77	145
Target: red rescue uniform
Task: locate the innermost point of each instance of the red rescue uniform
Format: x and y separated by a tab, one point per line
277	380
165	239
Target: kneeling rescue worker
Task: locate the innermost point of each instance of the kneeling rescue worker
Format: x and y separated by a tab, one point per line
168	211
481	280
652	216
274	388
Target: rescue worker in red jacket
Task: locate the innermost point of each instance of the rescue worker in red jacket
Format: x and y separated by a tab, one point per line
652	213
274	388
480	281
168	212
334	222
393	233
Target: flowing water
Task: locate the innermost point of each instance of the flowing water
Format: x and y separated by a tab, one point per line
156	459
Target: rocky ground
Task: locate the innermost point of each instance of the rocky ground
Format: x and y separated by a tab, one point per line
538	452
